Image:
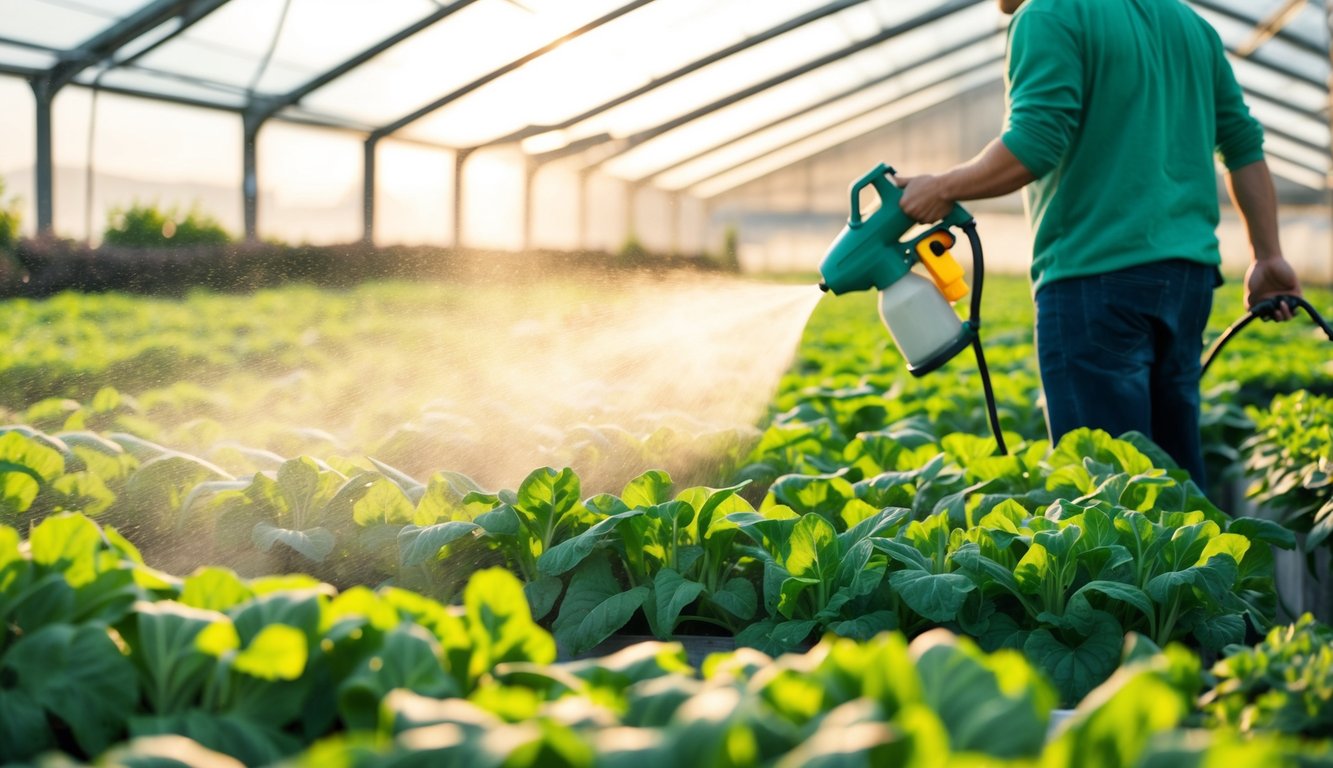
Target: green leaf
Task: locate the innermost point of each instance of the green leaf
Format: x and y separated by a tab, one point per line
996	705
1078	668
737	597
1266	531
79	677
314	544
409	658
934	596
545	497
278	652
1034	569
814	549
172	669
824	495
417	545
19	453
569	553
234	736
67	542
648	489
672	594
866	626
542	595
24	731
215	589
594	606
1125	593
500	622
379	502
1215	633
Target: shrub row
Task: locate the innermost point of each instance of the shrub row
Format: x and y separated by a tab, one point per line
42	267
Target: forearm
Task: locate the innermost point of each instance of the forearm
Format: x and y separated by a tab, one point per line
993	173
1253	194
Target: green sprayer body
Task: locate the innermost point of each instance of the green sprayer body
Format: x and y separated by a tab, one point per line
869	253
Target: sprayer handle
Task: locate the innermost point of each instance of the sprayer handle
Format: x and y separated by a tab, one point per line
879	177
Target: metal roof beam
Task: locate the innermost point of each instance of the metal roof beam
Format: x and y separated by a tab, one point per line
1266	29
884	35
267	107
978	40
495	74
693	66
122	33
1283	35
1317	117
27	73
1285	72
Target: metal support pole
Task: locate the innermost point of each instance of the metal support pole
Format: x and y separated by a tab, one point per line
631	196
677	220
584	175
1329	175
530	167
460	158
250	178
368	193
45	170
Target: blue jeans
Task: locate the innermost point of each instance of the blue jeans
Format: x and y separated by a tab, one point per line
1120	352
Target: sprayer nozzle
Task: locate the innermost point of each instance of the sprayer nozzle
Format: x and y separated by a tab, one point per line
823	286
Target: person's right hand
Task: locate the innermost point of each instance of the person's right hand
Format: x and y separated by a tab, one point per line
1270	277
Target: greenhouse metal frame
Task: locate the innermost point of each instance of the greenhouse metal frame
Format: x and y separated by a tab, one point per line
152	49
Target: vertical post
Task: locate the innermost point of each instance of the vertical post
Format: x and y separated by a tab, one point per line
460	158
585	174
677	221
45	160
529	175
250	178
368	193
1328	178
631	196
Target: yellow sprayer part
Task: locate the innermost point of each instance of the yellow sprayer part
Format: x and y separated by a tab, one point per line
934	253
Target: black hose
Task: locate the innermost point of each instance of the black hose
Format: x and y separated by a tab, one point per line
1265	309
974	322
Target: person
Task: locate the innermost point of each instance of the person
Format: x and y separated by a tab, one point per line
1115	113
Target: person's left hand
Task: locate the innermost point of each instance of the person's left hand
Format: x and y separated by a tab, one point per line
924	199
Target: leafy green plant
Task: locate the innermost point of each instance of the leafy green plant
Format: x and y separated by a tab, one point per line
1284	683
1290	460
9	221
148	226
675	553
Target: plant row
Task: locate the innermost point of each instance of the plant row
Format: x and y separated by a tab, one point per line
105	658
1058	551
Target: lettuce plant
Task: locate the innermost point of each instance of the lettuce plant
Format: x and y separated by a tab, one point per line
1290	461
1284	683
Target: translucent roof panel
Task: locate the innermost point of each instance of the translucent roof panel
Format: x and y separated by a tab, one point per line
846	131
24	57
865	98
63	24
469	44
686	125
772	58
591	70
868	66
167	84
228	46
1276	52
1261	79
1274	114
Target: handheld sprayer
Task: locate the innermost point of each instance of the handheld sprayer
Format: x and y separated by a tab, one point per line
870	253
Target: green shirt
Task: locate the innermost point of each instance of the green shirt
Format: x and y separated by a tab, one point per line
1117	107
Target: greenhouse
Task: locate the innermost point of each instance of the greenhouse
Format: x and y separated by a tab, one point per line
449	382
